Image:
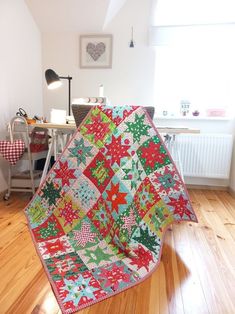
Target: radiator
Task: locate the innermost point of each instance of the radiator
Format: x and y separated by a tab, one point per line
203	155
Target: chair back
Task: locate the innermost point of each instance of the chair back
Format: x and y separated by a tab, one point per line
80	112
150	110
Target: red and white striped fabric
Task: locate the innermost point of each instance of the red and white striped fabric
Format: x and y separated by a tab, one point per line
12	151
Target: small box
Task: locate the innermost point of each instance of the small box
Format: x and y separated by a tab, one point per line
216	112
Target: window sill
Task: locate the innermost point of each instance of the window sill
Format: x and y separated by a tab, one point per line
193	118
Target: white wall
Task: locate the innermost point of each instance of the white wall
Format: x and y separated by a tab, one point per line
131	78
232	175
20	64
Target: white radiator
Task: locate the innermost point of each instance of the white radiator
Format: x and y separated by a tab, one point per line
204	155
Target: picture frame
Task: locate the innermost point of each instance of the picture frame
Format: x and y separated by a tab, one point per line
96	51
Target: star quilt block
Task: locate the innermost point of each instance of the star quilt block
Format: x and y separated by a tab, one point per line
65	266
101	217
84	235
153	155
50	229
119	113
97	127
99	172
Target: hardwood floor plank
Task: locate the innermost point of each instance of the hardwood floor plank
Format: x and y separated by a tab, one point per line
209	252
224	241
228	208
163	301
44	301
196	273
187	268
200	257
15	226
19	265
228	201
154	295
169	259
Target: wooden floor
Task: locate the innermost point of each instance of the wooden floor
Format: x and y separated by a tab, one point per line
196	273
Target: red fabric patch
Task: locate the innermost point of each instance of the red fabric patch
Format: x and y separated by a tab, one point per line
99	172
50	229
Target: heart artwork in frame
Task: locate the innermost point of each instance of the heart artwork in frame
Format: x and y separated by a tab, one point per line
96	51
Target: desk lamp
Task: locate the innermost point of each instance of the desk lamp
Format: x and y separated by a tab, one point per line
54	81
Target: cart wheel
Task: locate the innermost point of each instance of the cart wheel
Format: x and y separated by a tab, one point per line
6	197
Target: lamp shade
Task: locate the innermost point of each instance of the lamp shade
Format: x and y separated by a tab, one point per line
53	80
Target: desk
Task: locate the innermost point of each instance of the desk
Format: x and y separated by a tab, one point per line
55	126
169	130
72	126
59	130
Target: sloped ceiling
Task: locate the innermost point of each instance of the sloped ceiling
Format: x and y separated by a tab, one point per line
73	15
113	9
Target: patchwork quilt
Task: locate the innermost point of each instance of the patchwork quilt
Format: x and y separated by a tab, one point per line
99	218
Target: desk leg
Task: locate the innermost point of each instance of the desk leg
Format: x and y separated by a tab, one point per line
56	143
48	159
178	157
171	144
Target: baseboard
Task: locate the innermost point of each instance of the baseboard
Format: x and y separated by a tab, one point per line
211	187
207	187
231	192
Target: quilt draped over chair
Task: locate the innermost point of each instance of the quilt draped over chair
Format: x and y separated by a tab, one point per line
98	219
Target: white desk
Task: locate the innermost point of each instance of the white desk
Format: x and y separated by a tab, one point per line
72	126
59	130
169	130
54	126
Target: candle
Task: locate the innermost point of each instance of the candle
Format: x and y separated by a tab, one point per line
101	91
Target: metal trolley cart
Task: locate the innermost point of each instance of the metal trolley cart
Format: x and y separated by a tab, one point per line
26	180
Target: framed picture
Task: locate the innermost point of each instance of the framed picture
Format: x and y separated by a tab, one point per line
96	51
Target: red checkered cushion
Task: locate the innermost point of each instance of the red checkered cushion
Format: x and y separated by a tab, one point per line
12	152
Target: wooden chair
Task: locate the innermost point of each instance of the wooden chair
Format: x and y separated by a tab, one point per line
80	112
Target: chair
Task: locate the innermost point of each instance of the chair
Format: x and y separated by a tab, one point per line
28	180
80	112
150	110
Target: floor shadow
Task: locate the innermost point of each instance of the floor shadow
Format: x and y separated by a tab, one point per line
176	272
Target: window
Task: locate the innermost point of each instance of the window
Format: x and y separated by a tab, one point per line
195	62
196	12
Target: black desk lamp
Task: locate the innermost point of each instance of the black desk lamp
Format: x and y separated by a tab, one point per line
53	81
